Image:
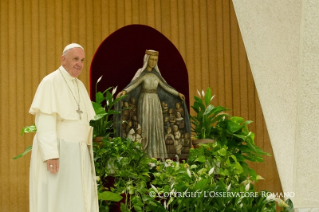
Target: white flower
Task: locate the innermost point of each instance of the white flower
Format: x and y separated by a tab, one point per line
114	90
97	178
239	201
165	206
203	93
170	201
172	185
199	93
247	187
211	171
99	79
281	203
228	186
271	197
155	189
152	165
245	182
107	102
189	173
212	98
259	177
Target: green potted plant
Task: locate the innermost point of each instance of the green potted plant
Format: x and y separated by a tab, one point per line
124	169
104	109
206	117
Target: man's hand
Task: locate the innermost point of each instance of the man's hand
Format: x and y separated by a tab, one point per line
122	93
53	165
181	96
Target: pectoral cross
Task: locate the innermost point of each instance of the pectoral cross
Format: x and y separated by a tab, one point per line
79	111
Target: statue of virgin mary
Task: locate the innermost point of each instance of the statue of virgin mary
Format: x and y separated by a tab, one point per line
150	89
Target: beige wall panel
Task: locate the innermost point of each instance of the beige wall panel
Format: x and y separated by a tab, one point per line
197	46
181	27
66	23
227	54
19	112
142	11
174	22
12	90
165	12
189	28
27	95
97	24
212	48
150	13
33	34
105	19
4	80
158	16
88	45
128	12
205	74
58	33
135	12
50	38
120	11
112	15
220	56
234	45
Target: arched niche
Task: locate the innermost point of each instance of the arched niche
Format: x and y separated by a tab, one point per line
121	54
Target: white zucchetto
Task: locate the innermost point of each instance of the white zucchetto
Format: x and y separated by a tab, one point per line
71	46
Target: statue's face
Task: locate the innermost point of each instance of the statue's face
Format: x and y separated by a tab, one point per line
178	105
125	104
152	61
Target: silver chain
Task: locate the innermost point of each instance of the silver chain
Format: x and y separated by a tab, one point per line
71	90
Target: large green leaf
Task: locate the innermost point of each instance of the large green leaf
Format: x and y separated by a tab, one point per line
208	110
233	126
208	96
28	149
99	97
99	116
107	195
98	108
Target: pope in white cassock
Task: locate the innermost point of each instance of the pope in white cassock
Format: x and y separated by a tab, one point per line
62	173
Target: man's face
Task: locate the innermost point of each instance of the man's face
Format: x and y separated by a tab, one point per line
152	61
73	61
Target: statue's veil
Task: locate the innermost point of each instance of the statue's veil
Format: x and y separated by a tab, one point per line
145	62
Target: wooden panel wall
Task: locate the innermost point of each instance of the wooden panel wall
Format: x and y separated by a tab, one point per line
33	34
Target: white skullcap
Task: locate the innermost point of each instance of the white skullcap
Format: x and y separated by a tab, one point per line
71	46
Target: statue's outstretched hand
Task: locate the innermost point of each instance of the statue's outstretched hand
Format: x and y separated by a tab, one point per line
181	96
122	93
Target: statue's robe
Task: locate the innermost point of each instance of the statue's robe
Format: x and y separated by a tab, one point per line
62	134
150	89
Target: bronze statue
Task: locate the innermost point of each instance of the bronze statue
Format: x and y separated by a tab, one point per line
150	89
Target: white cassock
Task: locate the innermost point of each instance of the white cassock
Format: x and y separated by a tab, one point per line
62	134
